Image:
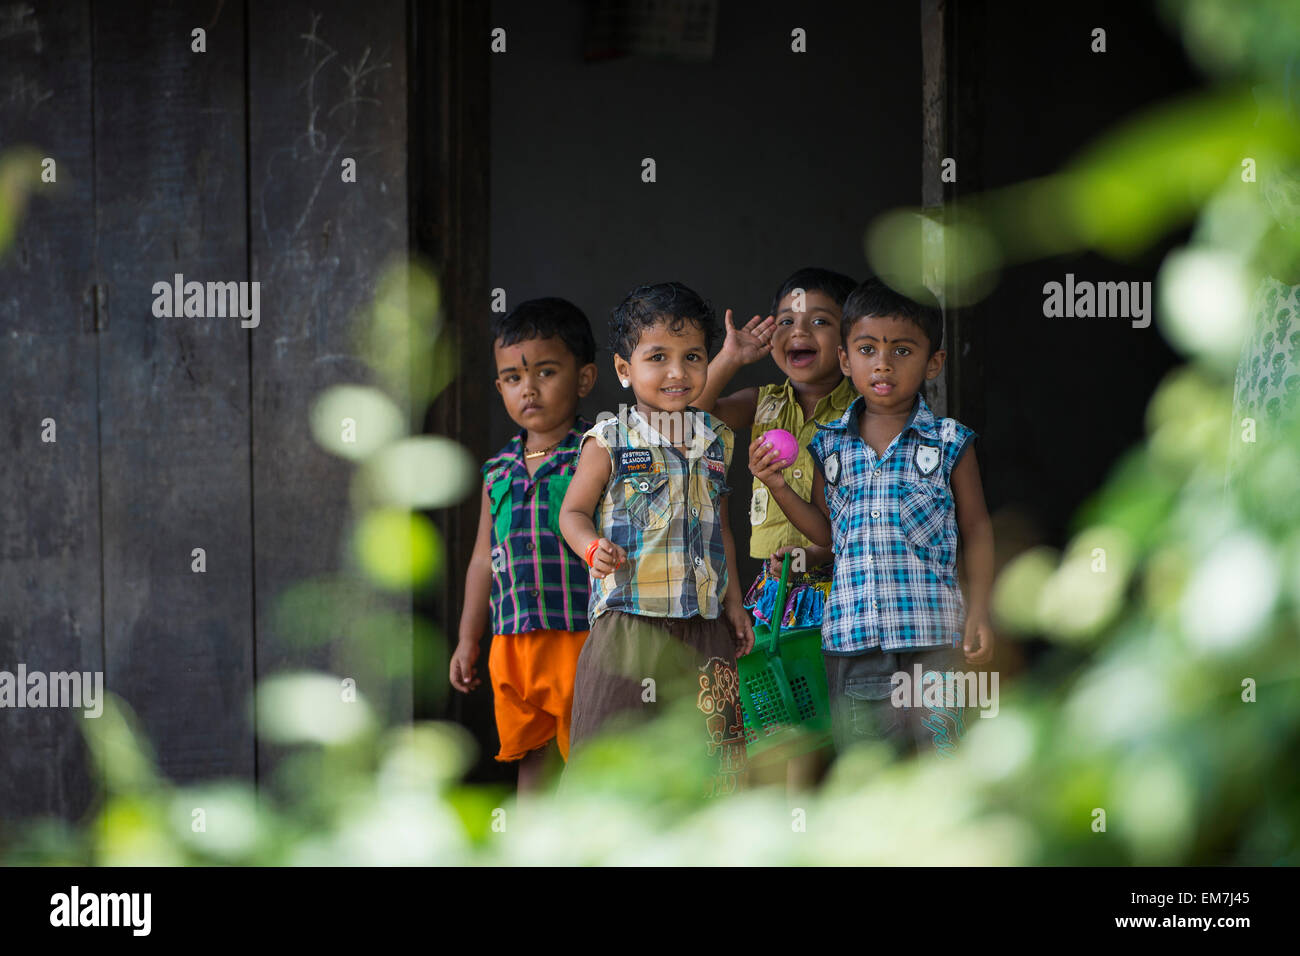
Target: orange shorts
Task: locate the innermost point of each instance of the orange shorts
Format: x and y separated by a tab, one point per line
532	688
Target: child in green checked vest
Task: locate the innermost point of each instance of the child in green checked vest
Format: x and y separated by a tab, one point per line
522	579
802	335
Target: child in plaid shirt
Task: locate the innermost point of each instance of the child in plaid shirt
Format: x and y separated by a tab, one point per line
894	486
665	599
521	574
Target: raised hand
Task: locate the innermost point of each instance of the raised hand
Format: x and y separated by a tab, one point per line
751	342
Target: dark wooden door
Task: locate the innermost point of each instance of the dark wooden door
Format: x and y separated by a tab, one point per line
183	433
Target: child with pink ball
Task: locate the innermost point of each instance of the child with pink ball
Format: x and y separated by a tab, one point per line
802	335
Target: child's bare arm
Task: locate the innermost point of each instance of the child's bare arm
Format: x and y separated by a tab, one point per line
741	347
812	520
585	491
737	409
732	603
478	594
977	548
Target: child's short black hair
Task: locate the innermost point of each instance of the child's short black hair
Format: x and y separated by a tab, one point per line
875	299
544	318
648	305
811	279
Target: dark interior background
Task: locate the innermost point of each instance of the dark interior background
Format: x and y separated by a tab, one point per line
770	160
1057	400
767	161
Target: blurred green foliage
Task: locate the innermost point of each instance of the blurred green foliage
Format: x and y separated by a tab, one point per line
19	172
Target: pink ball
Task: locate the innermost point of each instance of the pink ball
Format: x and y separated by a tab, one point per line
785	444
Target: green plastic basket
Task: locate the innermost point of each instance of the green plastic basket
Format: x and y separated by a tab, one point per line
783	690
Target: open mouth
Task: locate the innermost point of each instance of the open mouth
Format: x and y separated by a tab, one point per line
801	358
882	388
675	391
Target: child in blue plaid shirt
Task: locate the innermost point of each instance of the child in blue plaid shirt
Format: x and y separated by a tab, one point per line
894	487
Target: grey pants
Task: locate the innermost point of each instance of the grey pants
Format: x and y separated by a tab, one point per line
867	704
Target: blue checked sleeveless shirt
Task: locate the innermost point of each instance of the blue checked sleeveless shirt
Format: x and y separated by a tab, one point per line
664	507
894	534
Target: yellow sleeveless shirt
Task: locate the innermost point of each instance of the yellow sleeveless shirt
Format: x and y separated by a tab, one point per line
778	407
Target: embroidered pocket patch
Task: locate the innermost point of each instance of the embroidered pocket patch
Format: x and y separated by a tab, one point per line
634	461
831	467
927	458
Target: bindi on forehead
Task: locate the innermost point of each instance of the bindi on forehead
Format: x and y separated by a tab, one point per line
510	358
518	351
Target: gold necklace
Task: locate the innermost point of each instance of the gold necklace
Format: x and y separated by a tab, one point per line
539	453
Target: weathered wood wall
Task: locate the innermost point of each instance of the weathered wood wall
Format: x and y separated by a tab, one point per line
50	594
182	433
